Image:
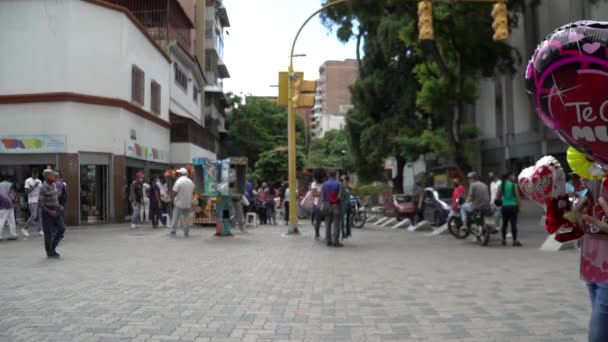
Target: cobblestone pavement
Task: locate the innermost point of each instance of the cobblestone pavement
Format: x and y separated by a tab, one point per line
113	284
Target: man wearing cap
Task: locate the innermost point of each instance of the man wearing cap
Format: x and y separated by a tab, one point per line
136	197
479	197
52	214
182	200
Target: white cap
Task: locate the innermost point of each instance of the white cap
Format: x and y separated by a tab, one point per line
182	171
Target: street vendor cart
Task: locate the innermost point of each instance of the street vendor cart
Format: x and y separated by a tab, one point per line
220	185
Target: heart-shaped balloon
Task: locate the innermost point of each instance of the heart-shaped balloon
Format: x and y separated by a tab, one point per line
544	181
567	78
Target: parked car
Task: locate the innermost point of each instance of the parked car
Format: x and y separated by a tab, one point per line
401	206
437	205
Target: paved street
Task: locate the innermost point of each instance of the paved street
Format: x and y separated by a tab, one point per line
386	285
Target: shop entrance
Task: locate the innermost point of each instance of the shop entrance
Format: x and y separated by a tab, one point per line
17	174
94	194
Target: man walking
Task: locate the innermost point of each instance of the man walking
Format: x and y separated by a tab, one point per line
182	192
494	186
51	214
32	188
136	198
7	211
478	198
330	202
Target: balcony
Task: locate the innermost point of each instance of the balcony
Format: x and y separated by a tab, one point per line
185	130
165	20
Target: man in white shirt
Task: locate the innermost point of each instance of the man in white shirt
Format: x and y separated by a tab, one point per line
32	188
165	199
494	186
182	200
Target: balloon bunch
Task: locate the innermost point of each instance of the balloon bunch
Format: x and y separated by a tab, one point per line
545	183
567	79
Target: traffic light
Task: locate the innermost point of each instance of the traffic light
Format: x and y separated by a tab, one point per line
501	21
303	91
283	88
425	20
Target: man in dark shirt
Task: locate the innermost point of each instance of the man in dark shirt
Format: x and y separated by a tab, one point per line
52	222
330	198
156	209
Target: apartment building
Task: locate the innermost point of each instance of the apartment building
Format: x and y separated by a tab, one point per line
332	98
104	89
84	88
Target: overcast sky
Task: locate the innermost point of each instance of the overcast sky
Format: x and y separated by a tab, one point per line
259	40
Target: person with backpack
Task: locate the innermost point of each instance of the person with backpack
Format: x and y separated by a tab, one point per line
509	198
345	207
330	209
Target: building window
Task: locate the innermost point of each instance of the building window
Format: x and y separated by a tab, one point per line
180	78
155	95
137	85
195	94
209	29
207	61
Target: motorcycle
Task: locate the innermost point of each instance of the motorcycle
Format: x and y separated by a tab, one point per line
477	226
359	213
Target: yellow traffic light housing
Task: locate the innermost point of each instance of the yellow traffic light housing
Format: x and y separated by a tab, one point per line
303	91
283	88
425	20
501	21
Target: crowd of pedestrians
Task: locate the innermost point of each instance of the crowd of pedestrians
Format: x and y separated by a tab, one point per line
150	201
46	201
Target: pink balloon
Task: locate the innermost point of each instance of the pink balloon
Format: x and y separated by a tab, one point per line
567	78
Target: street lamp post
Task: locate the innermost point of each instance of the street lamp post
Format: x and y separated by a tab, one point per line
291	125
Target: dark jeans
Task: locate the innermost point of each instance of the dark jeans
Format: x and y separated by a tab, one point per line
286	210
316	219
262	214
333	224
156	214
54	228
346	213
509	214
270	213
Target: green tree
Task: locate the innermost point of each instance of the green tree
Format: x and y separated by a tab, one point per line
258	125
331	151
272	165
410	97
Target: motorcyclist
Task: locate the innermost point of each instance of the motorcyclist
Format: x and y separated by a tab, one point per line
478	198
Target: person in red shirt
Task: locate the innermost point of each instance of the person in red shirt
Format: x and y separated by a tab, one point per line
459	191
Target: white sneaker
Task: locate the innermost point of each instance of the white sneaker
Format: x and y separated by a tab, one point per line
25	232
133	226
41	233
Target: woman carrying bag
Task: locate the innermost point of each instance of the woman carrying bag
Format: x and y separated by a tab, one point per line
509	198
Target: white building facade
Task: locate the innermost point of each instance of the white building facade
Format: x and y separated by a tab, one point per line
85	88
